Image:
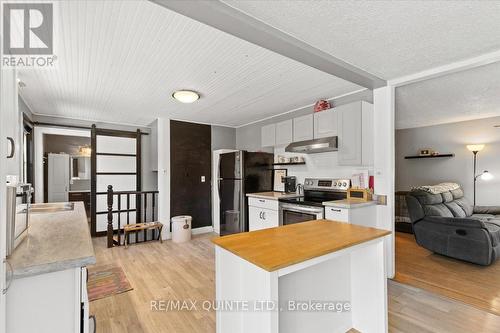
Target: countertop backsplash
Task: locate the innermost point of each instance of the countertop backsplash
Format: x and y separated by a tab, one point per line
318	166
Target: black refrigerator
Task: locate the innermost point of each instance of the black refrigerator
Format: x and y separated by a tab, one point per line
241	172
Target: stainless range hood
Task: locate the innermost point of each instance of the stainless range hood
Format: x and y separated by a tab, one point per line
314	146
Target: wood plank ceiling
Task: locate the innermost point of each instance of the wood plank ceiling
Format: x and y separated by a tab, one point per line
120	61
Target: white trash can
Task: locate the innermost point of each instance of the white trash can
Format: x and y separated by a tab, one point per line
181	228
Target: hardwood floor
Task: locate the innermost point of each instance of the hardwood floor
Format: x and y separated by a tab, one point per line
472	284
186	271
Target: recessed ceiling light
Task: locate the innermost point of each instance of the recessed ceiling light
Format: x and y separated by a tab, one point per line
186	96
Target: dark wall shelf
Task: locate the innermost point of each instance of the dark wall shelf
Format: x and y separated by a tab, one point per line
290	163
430	156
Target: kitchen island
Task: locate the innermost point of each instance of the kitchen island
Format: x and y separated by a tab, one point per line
48	289
319	276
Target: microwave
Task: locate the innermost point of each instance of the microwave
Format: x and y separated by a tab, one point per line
18	214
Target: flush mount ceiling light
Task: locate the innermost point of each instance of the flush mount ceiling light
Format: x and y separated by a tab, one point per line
186	96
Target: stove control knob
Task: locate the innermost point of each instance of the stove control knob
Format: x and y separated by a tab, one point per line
335	184
344	184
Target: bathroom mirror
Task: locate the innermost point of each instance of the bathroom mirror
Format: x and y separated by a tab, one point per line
80	167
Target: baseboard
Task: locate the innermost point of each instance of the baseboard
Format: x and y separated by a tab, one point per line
202	230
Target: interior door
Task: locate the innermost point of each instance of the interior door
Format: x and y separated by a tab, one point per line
58	177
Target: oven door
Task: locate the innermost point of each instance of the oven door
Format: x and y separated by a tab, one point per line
290	213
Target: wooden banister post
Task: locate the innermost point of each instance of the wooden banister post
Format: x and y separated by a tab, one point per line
110	216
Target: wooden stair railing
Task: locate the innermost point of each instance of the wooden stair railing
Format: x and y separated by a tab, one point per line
143	211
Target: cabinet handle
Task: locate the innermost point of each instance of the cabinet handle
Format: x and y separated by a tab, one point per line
12	146
335	210
262	200
260	215
263	215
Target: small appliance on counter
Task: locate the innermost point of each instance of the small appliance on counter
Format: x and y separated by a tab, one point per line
18	214
290	184
359	194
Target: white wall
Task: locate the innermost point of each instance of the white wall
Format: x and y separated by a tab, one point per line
321	165
164	175
451	138
223	137
384	129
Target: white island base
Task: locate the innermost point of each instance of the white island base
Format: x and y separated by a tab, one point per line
354	275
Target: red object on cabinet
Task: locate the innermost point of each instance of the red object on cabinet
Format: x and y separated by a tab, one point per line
321	105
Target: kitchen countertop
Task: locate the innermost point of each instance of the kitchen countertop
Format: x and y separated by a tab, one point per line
276	248
79	191
55	242
273	195
349	204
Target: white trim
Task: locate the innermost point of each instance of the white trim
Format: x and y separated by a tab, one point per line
89	120
202	230
302	107
454	67
39	131
192	121
201	123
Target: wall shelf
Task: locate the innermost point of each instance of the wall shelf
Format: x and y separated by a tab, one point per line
290	163
430	156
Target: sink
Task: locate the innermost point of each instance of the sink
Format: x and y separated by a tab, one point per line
52	207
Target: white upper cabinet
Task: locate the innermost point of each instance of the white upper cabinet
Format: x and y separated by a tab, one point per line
284	132
325	123
268	135
303	128
355	134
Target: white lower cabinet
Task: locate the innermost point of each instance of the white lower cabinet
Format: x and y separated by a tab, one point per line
365	216
337	214
55	302
260	218
262	214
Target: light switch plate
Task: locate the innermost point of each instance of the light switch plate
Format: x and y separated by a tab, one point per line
380	199
202	179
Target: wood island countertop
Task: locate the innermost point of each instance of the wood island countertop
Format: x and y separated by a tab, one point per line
276	248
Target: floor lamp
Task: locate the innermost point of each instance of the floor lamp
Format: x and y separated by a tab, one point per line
485	175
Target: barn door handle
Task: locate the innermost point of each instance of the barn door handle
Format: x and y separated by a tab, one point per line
13	147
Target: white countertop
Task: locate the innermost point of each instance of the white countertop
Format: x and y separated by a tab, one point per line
273	195
349	204
55	242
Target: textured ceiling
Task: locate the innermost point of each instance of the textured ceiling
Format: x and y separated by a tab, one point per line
466	95
387	38
120	61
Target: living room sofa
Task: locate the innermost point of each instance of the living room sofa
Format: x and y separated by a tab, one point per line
446	223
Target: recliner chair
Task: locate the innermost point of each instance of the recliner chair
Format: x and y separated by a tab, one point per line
446	223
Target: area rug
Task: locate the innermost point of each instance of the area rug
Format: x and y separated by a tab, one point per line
106	280
474	285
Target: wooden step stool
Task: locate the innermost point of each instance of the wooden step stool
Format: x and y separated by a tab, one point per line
142	226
